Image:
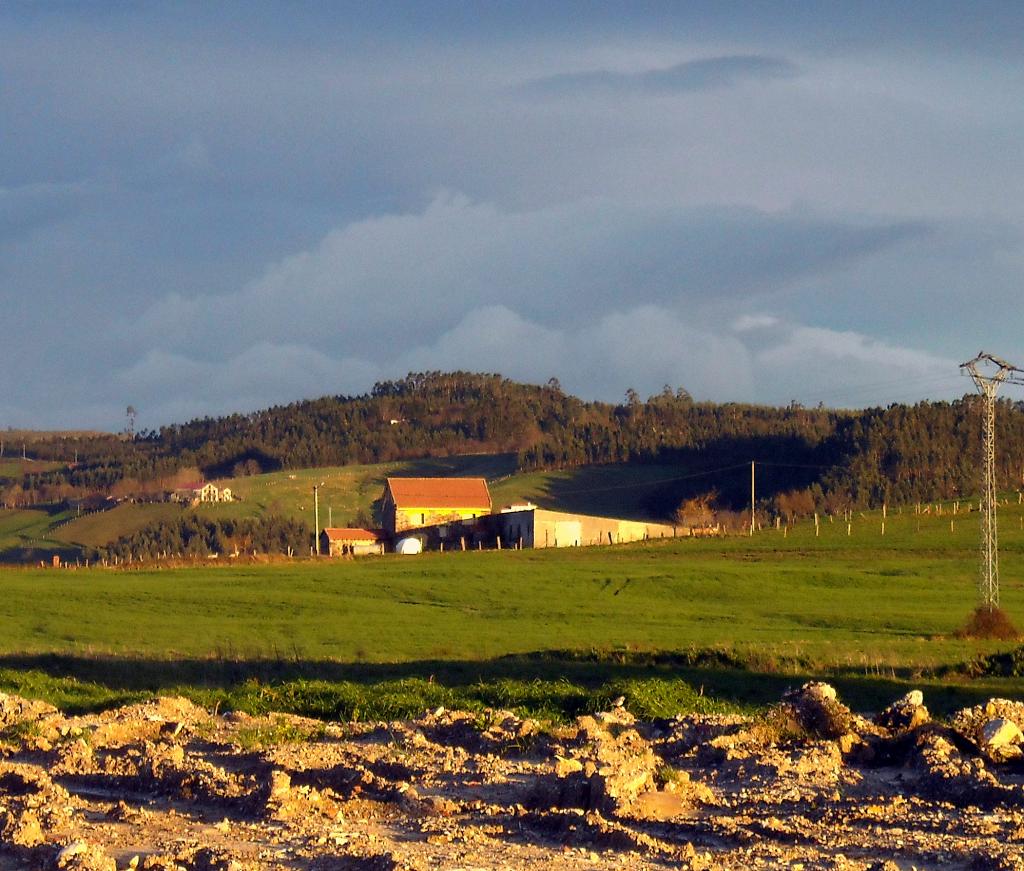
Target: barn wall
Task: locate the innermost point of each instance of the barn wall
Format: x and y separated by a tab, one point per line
539	528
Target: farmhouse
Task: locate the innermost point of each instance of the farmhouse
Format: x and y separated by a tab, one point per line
344	541
411	503
456	513
200	492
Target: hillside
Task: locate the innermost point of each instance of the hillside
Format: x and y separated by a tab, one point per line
28	535
809	458
345	491
347	495
101	527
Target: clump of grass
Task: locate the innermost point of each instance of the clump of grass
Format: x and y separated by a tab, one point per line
72	735
277	732
660	698
989	622
665	774
71	695
778	725
20	732
546	700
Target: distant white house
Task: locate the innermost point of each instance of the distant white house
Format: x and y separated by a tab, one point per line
200	492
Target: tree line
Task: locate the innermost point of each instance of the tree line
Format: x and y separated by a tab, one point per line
861	458
192	536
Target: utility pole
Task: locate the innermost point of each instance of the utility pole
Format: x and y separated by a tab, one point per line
987	380
751	497
316	516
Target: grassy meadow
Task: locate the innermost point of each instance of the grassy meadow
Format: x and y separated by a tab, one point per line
735	620
345	492
12	468
29	534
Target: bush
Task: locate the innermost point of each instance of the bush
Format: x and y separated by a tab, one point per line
986	622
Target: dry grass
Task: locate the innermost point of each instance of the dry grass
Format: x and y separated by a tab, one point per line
989	622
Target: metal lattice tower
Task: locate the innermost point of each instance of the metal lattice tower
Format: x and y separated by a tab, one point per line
987	380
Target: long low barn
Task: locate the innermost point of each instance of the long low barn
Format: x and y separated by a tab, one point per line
536	527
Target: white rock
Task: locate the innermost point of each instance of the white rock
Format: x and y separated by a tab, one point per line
1000	732
70	851
914	698
820	689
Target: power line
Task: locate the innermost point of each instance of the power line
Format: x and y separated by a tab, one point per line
692	475
988	381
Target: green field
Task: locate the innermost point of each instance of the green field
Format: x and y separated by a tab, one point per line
348	491
28	535
103	527
12	468
742	617
611	491
345	490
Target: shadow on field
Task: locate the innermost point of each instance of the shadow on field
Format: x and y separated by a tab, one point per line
22	555
653	490
712	675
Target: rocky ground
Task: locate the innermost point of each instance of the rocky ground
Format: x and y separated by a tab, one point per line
167	785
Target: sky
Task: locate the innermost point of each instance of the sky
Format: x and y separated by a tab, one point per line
215	208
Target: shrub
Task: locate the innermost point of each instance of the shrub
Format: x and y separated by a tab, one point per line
986	622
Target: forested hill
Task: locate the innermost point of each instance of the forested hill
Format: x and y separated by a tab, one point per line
900	453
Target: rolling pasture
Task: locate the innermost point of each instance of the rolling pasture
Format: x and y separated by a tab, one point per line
742	617
345	493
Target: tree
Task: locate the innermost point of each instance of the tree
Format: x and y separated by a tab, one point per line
698	511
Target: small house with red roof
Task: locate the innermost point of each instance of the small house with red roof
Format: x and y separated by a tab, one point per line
346	541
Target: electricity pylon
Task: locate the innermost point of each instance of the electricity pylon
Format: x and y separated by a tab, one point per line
987	381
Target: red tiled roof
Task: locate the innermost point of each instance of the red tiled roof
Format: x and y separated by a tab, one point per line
440	492
344	533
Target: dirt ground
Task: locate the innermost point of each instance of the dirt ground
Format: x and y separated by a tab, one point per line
168	785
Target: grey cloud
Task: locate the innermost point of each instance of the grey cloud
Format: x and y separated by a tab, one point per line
696	75
848	199
26	207
395	279
261	375
760	358
840	367
643	347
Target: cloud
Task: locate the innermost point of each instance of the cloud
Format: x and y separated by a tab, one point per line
840	367
696	75
261	375
264	184
746	323
602	295
387	282
24	208
759	358
643	347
